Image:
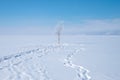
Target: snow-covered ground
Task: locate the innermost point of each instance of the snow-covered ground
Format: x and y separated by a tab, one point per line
77	58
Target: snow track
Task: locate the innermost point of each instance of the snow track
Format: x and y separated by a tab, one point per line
28	65
82	73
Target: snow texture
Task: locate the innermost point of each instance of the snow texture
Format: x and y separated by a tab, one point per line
29	65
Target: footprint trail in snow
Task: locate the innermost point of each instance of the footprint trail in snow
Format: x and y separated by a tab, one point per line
28	65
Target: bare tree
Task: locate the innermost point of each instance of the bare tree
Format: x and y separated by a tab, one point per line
59	30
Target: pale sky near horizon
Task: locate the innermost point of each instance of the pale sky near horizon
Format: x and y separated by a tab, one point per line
42	16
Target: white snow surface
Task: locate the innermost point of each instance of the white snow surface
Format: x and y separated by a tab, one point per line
76	58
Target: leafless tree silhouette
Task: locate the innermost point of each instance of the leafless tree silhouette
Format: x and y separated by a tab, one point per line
59	30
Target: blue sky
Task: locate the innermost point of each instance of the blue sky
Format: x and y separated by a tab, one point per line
42	16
